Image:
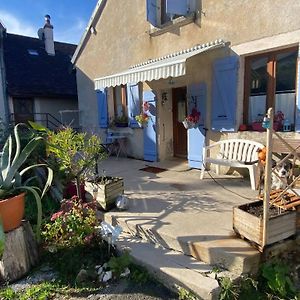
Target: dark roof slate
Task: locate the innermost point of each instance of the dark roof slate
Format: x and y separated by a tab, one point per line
38	75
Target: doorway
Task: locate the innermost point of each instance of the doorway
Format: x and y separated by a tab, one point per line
23	110
179	113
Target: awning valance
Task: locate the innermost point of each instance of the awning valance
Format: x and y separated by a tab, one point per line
172	65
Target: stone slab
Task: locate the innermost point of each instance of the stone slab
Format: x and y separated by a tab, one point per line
172	268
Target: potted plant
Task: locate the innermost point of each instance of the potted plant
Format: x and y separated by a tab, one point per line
142	119
76	155
106	189
121	121
192	120
13	185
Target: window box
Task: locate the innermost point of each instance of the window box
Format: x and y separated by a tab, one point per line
172	25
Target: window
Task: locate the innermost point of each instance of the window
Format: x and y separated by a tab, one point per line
32	52
163	12
120	101
270	81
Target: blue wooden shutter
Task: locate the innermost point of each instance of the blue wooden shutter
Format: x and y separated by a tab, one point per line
196	136
224	94
133	99
102	108
297	123
177	7
150	137
152	12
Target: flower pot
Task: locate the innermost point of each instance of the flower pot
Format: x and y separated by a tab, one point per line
105	190
12	212
189	124
248	223
120	124
71	190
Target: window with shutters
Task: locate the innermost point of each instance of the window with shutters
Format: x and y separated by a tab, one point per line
120	101
164	13
270	81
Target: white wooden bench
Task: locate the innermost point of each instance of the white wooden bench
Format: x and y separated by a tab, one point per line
235	153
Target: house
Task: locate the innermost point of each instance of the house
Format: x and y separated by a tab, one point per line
36	80
227	60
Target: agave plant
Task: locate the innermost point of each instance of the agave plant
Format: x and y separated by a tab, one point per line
12	169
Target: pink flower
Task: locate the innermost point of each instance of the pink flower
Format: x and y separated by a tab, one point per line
57	215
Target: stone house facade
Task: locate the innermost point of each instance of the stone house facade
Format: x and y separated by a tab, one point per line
228	60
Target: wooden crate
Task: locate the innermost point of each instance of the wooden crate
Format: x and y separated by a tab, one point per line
250	227
106	194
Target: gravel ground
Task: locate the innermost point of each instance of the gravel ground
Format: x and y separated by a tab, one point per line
121	290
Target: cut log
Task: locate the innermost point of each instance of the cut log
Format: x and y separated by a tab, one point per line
20	253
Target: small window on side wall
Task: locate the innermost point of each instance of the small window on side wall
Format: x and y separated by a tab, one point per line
160	12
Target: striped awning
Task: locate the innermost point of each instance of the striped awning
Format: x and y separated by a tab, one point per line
171	65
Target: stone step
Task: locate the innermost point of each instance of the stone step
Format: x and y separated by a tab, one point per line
172	268
228	252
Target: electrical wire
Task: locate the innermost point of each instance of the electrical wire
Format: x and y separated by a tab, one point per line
225	188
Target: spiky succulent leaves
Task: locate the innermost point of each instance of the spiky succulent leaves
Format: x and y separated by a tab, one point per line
5	159
19	161
38	127
2	240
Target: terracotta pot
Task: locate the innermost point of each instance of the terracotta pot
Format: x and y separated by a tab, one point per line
12	212
71	190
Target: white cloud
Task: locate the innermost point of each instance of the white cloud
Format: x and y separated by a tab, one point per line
15	25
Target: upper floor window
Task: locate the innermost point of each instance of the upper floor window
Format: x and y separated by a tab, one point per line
161	12
270	81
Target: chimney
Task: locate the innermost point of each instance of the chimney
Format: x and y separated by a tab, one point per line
48	36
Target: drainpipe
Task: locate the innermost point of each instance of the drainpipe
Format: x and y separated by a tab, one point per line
3	91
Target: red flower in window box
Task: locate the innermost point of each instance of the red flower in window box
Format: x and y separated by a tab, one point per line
192	120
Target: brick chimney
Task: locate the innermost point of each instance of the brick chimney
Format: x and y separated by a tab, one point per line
48	36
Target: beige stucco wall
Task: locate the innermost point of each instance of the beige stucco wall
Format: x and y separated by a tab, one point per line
122	39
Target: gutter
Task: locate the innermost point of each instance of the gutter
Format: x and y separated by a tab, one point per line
3	75
88	30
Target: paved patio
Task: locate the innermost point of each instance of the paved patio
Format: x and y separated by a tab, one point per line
177	210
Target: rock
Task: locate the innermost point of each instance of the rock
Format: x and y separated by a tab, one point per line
104	266
20	253
125	273
82	276
107	276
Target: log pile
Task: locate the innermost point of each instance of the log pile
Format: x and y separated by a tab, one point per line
20	253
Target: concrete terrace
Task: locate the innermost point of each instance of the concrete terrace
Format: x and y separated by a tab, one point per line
178	211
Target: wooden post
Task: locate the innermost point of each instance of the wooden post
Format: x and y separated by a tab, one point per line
268	175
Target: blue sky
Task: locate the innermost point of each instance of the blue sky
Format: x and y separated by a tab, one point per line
69	17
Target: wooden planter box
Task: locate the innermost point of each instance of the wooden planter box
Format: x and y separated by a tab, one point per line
105	191
249	226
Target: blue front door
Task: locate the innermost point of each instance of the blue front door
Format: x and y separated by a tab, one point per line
196	98
150	137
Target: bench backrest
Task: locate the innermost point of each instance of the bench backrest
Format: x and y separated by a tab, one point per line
239	150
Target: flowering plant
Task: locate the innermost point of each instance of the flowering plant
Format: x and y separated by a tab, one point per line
192	119
74	224
142	118
279	117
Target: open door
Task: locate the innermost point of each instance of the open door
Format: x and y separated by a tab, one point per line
179	114
196	136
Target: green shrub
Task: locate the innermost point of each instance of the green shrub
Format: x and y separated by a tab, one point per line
277	278
73	225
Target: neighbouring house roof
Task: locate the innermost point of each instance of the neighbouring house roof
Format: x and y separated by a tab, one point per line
30	71
171	65
89	28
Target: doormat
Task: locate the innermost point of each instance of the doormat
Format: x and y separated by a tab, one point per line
154	170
